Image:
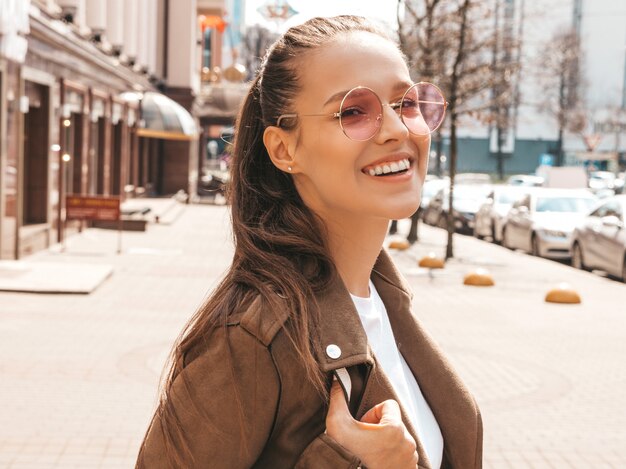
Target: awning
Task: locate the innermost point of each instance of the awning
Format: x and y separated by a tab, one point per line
162	117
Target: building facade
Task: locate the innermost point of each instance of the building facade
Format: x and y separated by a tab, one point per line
74	115
531	139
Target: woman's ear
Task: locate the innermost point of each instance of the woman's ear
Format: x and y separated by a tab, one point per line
277	143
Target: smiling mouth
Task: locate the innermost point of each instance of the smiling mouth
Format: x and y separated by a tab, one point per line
388	168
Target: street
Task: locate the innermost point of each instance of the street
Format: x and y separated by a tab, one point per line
80	372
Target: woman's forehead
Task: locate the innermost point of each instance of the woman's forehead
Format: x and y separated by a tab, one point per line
354	59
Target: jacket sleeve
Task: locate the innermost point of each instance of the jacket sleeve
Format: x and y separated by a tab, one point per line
325	453
223	402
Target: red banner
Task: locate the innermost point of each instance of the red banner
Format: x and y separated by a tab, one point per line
78	207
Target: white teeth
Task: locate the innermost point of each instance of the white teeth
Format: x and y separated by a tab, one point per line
392	167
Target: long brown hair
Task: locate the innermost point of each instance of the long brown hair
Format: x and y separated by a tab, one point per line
271	224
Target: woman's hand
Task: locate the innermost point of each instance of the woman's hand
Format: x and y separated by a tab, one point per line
379	440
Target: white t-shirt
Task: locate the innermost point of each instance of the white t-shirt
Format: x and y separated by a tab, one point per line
375	321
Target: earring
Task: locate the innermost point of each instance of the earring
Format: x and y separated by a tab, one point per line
289	168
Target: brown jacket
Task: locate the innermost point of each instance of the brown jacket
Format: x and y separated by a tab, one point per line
281	416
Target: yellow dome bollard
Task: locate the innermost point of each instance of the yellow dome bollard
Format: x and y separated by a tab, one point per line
563	293
399	244
479	278
431	261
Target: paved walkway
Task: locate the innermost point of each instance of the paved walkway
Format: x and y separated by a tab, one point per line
79	373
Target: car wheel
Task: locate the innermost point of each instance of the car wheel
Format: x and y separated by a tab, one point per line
505	238
534	246
476	234
442	222
577	257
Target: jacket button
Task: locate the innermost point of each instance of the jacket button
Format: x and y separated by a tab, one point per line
333	351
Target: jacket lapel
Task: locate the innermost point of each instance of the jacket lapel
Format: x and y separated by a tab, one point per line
454	408
341	328
343	344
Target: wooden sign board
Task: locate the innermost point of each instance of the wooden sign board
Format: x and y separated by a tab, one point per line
79	207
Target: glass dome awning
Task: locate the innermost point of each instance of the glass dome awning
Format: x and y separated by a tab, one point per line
162	117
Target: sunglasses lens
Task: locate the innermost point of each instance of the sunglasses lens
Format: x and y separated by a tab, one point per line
361	114
423	108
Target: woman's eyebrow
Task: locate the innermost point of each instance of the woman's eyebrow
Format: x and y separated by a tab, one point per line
400	86
336	97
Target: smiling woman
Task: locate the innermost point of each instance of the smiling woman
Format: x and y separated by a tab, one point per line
308	355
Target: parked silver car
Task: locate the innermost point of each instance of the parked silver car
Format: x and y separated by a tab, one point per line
542	222
491	214
600	241
467	200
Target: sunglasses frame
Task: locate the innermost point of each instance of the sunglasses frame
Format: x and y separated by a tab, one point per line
394	106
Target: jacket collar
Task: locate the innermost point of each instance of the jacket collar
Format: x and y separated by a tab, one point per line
340	324
454	408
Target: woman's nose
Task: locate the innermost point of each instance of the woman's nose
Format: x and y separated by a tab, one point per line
392	127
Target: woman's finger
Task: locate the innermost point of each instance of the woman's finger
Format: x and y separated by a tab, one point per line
386	412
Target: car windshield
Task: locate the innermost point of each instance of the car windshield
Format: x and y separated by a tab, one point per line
602	177
430	189
471	193
564	204
507	197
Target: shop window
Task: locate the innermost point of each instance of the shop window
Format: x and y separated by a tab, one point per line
36	144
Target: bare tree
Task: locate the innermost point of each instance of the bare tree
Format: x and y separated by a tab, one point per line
257	39
504	93
560	80
452	42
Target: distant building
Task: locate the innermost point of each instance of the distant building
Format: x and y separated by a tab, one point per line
601	25
106	97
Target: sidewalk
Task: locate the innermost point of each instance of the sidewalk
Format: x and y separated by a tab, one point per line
549	378
79	373
42	273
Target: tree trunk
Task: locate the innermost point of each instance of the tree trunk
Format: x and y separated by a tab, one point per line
438	146
500	156
454	89
561	118
452	166
559	148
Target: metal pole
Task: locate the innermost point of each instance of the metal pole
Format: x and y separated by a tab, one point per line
624	80
64	245
119	233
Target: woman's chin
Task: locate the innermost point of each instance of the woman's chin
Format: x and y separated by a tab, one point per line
404	211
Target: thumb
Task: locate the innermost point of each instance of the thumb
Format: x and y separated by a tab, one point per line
385	412
337	407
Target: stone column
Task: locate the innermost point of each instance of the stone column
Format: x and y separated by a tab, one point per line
183	71
115	24
131	8
143	19
96	15
152	36
75	9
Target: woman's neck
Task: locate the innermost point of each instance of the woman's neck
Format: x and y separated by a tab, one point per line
355	243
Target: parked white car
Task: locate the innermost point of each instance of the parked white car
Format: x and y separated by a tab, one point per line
542	222
600	241
601	180
527	180
491	214
430	189
467	200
